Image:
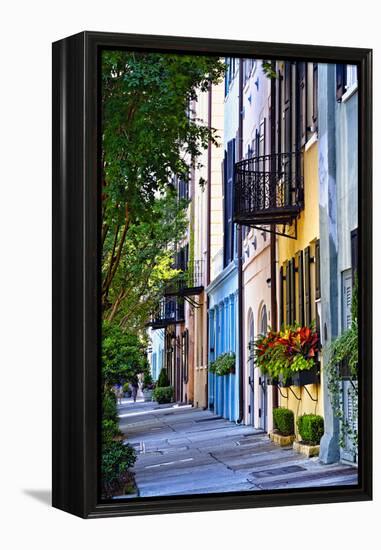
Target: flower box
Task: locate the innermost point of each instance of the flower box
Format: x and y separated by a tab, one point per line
306	377
285	382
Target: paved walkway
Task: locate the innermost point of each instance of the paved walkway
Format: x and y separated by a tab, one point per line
182	450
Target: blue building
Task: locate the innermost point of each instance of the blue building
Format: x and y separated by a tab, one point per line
222	292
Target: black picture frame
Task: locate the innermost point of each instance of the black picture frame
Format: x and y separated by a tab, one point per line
76	312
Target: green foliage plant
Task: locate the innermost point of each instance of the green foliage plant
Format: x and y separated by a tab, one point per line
282	353
163	394
123	355
344	350
163	380
311	428
117	457
283	420
223	365
109	407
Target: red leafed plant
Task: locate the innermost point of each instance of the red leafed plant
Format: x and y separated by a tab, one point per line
292	349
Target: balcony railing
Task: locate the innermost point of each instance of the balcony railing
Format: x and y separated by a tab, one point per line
268	189
170	311
189	282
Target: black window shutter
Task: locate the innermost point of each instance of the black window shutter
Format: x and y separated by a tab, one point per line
288	294
281	297
354	253
292	291
315	94
301	288
301	98
340	80
225	218
317	270
307	285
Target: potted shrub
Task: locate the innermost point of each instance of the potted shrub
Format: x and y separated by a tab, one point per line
311	430
148	387
163	394
223	365
284	433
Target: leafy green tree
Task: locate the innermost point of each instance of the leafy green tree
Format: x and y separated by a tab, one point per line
150	135
123	355
145	265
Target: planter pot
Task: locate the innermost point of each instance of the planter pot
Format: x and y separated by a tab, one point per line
306	377
272	381
345	371
147	394
281	440
306	449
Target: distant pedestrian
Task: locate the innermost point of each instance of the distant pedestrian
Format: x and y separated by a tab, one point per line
135	387
119	394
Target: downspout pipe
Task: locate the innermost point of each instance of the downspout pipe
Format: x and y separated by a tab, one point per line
273	260
239	253
208	240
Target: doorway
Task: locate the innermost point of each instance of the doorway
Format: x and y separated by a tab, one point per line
262	380
251	367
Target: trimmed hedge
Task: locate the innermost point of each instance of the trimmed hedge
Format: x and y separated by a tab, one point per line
311	428
163	395
283	420
163	380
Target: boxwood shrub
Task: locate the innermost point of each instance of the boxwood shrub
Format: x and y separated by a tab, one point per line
283	420
311	428
163	380
163	395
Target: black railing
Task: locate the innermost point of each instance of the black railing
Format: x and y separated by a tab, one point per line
268	189
189	282
170	311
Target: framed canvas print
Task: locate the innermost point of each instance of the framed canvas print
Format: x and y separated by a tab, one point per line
212	274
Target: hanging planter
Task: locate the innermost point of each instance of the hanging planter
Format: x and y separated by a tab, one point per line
223	365
288	355
306	377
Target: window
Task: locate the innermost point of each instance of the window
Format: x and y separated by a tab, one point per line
264	322
230	72
346	77
248	65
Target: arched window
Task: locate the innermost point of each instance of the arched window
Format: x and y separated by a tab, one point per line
263	322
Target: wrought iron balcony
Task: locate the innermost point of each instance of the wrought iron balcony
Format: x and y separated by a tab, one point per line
189	282
268	189
170	311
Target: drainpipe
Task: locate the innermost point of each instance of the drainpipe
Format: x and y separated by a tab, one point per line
239	252
273	262
208	256
209	188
